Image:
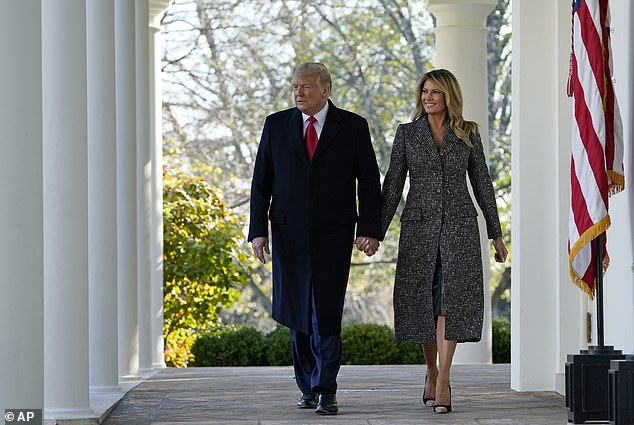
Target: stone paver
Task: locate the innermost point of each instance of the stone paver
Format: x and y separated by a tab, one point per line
367	395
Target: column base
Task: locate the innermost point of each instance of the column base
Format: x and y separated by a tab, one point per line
105	389
159	365
70	416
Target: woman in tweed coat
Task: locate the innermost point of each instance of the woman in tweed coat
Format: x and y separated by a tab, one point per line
438	289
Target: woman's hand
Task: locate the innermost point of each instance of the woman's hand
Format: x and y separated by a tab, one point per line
367	244
500	249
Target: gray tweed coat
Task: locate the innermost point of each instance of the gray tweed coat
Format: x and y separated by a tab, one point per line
439	215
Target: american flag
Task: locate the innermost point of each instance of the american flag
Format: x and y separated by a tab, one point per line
597	139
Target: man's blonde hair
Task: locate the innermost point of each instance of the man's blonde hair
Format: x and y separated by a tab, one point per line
314	69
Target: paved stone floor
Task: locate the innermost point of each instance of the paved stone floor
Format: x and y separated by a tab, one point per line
367	395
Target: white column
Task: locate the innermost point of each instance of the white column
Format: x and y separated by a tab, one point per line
102	197
128	328
570	304
156	140
144	187
65	174
540	200
461	48
21	258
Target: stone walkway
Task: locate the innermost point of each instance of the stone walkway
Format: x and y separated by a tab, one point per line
367	395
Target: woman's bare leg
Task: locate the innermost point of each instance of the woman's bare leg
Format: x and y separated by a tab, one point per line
430	352
446	350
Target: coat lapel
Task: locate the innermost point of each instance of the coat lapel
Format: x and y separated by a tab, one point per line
296	127
449	139
424	136
449	142
332	127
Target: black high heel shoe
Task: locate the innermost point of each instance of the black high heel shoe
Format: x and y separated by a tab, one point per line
429	402
445	408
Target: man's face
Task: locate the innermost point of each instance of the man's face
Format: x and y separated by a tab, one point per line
309	96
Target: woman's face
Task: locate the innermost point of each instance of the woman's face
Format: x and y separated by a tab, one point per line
433	99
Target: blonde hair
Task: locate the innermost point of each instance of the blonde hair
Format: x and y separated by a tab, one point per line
448	84
314	69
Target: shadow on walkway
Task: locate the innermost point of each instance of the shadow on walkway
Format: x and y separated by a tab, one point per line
367	395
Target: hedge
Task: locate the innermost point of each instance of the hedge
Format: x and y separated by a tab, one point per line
232	346
374	344
363	344
501	340
277	347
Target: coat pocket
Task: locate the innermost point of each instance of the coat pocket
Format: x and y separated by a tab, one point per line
412	214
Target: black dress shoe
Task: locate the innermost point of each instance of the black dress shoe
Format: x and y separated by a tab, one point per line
327	404
307	401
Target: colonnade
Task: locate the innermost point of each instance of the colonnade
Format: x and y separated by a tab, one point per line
81	195
91	295
81	188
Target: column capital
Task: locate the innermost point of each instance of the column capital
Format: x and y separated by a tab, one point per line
157	9
460	12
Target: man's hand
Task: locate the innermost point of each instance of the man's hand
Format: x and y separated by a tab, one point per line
260	245
367	244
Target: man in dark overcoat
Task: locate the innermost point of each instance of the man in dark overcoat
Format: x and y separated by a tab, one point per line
314	196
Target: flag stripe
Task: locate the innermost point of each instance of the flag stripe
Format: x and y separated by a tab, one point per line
590	41
589	138
597	151
582	218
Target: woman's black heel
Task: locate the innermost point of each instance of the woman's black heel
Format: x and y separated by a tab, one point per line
443	408
429	402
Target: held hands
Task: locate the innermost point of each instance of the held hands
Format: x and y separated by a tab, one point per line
260	245
500	250
367	244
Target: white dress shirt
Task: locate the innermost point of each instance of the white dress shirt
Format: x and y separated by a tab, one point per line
319	124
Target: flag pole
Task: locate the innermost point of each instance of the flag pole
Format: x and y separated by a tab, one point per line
599	289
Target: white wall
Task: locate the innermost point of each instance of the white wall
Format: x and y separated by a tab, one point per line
619	279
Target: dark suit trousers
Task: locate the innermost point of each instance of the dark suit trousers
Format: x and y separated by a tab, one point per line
316	359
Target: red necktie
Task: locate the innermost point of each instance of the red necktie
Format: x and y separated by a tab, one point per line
311	138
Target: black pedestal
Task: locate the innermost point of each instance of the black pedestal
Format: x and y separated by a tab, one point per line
621	391
587	383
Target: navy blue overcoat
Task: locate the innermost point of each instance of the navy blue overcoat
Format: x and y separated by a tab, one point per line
313	208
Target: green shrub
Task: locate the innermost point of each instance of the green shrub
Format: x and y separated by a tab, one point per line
278	347
203	265
501	340
369	344
232	346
